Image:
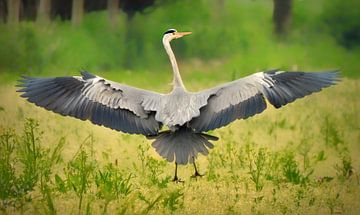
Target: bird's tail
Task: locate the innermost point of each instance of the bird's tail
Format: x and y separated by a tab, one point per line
183	145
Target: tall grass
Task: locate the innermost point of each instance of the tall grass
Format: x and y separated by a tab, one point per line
274	163
25	166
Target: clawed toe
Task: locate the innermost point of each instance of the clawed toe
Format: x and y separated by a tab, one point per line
177	180
197	174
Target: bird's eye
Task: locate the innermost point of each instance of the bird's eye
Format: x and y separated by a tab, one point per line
173	33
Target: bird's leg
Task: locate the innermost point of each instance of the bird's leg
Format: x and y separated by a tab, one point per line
196	174
176	179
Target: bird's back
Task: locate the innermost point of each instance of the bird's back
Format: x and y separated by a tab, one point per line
179	107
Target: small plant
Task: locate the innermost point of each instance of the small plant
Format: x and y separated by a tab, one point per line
79	171
8	179
155	169
290	169
142	150
26	156
279	124
345	170
256	165
273	170
173	201
332	137
152	168
112	184
150	203
212	175
51	158
299	195
335	139
334	204
30	153
308	162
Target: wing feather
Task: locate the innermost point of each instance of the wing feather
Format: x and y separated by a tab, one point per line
245	97
93	98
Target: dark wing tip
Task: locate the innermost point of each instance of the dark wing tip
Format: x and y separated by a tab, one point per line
21	90
209	137
336	76
289	86
333	76
24	79
22	83
87	75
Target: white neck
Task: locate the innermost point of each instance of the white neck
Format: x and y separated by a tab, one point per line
177	82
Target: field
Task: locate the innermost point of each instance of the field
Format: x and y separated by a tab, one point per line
301	159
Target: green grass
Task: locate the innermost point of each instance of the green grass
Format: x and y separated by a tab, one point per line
300	159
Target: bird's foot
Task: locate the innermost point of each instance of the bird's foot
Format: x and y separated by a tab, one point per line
197	174
177	180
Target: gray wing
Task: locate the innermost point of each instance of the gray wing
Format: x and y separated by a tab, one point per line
245	97
93	98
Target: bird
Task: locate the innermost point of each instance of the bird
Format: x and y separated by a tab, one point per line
177	121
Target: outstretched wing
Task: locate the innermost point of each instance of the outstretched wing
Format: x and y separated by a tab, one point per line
93	98
245	97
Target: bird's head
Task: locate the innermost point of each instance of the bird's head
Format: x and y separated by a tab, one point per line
174	34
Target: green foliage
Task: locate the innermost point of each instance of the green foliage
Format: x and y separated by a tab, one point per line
22	49
25	164
334	204
342	19
150	202
30	154
173	201
242	42
256	164
112	184
334	139
345	170
8	178
79	173
301	161
291	170
245	170
152	168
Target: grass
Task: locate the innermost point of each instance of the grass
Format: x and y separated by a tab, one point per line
300	159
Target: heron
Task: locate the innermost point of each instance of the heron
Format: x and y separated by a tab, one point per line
177	121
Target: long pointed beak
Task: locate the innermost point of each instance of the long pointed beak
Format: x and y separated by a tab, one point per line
181	34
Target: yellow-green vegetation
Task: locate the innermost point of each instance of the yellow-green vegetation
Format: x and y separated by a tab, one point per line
303	159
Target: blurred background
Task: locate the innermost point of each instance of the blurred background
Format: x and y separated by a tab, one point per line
120	38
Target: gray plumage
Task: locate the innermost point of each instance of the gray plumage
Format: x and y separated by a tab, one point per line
245	97
186	114
93	98
182	145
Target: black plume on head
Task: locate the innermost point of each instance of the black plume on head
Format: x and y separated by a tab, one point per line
170	31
